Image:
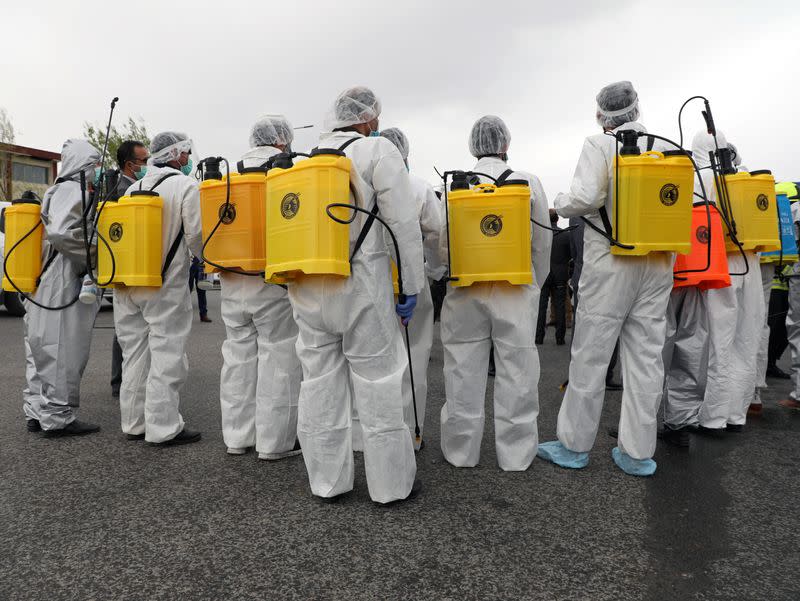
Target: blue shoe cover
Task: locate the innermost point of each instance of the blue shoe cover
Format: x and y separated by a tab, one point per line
634	467
557	453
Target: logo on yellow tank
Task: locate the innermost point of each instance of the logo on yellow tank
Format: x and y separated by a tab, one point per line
702	234
669	194
290	205
227	213
115	232
762	202
491	225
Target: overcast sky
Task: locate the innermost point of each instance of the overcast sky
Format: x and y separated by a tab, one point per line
210	68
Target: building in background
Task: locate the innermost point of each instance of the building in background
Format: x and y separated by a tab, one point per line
23	168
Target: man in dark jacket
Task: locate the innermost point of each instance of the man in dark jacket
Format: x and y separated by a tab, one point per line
556	282
132	161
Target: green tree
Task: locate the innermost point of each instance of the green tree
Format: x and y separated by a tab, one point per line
132	130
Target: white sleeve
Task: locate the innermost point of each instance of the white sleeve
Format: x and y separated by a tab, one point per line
190	214
430	222
541	239
589	189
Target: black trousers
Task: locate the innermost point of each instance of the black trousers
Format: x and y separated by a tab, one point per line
559	291
116	366
776	319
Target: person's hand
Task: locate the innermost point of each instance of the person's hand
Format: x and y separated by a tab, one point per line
405	307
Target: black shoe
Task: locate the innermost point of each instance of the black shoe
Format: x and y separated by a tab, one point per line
560	342
416	488
33	425
135	436
613	432
185	436
115	394
678	437
703	431
74	428
539	341
737	428
773	371
334	499
613	386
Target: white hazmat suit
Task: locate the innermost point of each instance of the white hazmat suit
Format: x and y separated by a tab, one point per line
58	342
622	297
260	378
349	343
153	324
494	313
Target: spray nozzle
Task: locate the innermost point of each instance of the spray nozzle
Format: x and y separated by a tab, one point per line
709	119
629	138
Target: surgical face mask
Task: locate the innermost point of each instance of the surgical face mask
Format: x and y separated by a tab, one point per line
140	172
187	168
375	133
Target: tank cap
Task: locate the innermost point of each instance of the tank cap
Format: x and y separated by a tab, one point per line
333	151
150	193
761	172
677	153
513	182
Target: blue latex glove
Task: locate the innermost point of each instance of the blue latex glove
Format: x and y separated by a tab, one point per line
405	307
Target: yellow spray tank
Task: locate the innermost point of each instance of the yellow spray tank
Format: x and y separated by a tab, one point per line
490	233
653	199
300	236
24	263
754	210
239	236
132	229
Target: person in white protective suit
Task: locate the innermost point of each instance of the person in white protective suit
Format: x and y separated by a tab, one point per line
57	342
260	379
735	321
495	313
153	324
622	297
793	319
420	329
349	343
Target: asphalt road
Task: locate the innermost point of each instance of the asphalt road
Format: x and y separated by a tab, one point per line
104	518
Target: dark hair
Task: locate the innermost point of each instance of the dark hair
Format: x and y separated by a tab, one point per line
125	152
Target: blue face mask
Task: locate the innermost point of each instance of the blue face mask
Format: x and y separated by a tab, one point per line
187	168
140	172
98	173
375	133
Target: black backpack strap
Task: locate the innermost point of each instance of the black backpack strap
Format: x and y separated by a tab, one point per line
172	251
650	142
362	235
346	144
48	263
606	221
160	181
503	177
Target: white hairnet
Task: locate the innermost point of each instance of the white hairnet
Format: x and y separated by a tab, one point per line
271	130
617	103
398	138
489	136
353	106
168	146
702	144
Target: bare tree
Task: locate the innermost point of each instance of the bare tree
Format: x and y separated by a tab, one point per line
7	136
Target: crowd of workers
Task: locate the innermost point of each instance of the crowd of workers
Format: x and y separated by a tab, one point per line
320	367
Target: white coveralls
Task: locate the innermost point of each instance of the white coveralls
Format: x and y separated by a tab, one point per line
622	297
57	343
260	378
475	317
685	356
767	275
420	328
735	323
349	342
153	324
